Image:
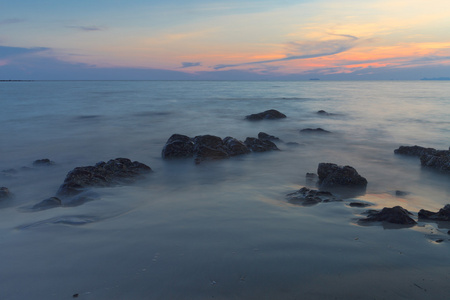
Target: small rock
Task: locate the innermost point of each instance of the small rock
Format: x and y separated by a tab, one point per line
401	193
48	203
359	204
322	112
396	215
308	197
314	130
257	145
267	137
439	241
43	162
270	114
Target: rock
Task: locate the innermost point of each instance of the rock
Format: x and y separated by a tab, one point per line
322	112
48	203
396	215
442	215
270	114
267	137
257	145
43	162
316	130
414	150
308	197
332	175
438	160
234	146
358	204
114	172
4	192
209	147
401	193
178	146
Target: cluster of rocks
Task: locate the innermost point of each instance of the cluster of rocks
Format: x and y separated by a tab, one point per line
429	157
308	197
103	174
210	147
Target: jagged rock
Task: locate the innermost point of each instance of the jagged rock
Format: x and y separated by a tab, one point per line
439	160
332	175
234	146
178	146
114	172
257	145
43	162
442	215
270	114
414	150
209	147
396	215
314	130
4	192
267	137
308	197
47	203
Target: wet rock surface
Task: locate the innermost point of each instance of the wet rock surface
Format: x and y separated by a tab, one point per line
334	176
270	114
314	130
442	215
308	197
209	147
257	145
395	215
267	137
178	146
114	172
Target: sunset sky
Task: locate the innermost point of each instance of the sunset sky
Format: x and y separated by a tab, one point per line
207	39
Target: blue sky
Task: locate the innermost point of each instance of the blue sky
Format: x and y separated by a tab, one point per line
285	40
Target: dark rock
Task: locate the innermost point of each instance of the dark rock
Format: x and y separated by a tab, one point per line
267	137
439	160
396	215
209	147
439	240
414	150
270	114
114	172
257	145
234	146
48	203
332	175
4	192
314	130
359	204
308	197
43	162
322	112
442	215
178	146
401	193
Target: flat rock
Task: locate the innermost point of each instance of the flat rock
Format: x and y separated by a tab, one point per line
257	145
395	215
270	114
442	215
314	130
114	172
308	197
332	176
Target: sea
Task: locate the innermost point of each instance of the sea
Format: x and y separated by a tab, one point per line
221	229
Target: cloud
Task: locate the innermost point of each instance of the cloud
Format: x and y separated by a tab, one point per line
308	49
11	21
190	64
8	52
86	28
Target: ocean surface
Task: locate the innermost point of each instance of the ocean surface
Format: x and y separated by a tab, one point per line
221	229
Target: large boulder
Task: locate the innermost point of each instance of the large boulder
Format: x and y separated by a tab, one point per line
334	176
178	146
209	147
395	215
414	150
270	114
442	215
439	160
234	146
257	145
114	172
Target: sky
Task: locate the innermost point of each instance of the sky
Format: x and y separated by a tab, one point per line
224	40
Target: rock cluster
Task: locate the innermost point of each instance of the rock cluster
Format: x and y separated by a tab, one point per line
270	114
442	215
308	197
210	147
429	157
334	176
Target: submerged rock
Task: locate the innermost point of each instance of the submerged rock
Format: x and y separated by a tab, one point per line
414	150
395	215
314	130
308	197
178	146
4	193
257	145
270	114
114	172
43	162
267	137
442	215
332	175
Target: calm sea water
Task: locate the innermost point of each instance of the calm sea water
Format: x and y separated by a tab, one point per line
220	229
